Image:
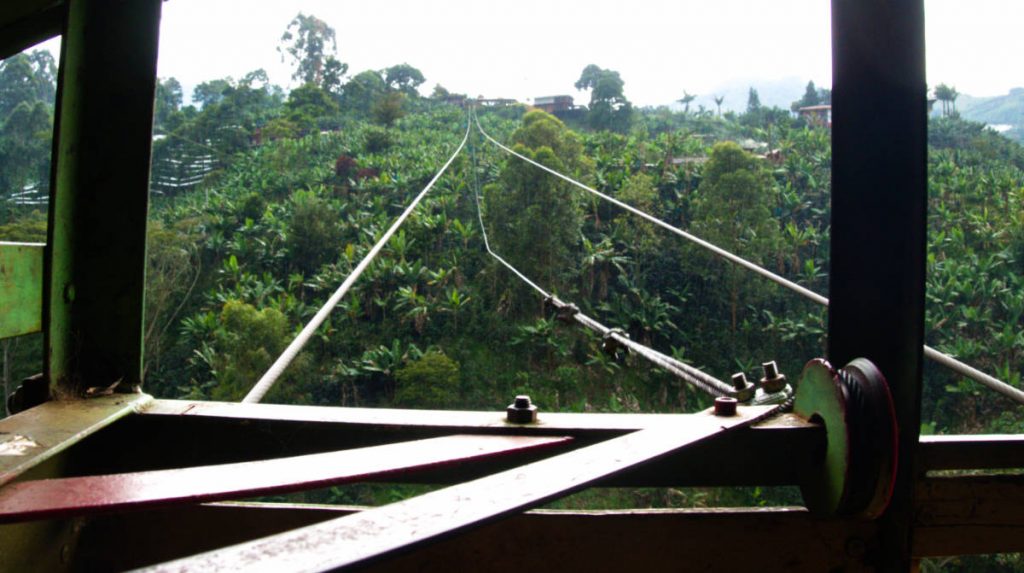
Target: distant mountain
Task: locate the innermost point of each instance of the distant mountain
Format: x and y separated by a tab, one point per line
780	93
999	110
1003	113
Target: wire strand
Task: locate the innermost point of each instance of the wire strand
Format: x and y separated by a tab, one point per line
944	359
278	367
695	377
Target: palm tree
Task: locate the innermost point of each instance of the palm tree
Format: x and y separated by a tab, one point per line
947	95
686	99
718	104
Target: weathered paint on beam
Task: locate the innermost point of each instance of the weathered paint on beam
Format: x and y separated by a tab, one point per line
34	436
95	274
209	432
45	437
21	288
669	540
383	532
725	539
87	495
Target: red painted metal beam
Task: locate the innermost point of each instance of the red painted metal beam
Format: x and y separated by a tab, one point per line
376	534
76	496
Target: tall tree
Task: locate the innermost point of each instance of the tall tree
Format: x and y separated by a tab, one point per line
718	103
307	104
25	137
685	100
211	92
389	109
534	219
17	83
811	97
753	101
168	101
403	78
312	45
947	95
609	108
362	91
733	211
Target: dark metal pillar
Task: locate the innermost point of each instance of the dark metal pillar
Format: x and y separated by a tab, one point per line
879	200
96	257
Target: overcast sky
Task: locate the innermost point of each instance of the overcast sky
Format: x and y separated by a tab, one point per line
531	48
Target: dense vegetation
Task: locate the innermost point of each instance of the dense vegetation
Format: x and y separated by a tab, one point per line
265	200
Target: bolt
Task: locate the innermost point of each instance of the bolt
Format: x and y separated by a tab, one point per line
725	406
521	411
773	381
744	389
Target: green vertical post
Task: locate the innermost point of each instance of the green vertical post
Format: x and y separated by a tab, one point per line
96	258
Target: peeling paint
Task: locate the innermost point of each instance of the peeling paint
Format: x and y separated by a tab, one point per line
16	445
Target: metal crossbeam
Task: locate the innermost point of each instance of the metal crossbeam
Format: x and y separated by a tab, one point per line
381	532
79	496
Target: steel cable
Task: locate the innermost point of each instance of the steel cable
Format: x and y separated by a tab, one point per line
944	359
278	367
695	377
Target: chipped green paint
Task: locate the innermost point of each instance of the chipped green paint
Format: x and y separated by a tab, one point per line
21	288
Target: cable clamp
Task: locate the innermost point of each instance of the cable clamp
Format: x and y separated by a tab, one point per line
611	345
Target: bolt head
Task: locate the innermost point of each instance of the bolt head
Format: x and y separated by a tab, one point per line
522	401
771	369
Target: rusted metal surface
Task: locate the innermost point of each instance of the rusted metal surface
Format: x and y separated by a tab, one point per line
667	540
209	433
394	418
780	539
21	288
53	427
378	533
972	452
77	496
47	435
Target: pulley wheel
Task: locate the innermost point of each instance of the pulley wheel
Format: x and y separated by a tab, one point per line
855	476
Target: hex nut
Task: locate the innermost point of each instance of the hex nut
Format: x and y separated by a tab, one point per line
521	411
725	406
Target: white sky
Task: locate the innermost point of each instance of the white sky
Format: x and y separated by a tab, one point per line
531	48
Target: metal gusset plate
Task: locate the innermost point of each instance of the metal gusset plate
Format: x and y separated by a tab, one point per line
377	533
858	468
76	496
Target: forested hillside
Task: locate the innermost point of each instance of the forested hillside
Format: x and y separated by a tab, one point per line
263	201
